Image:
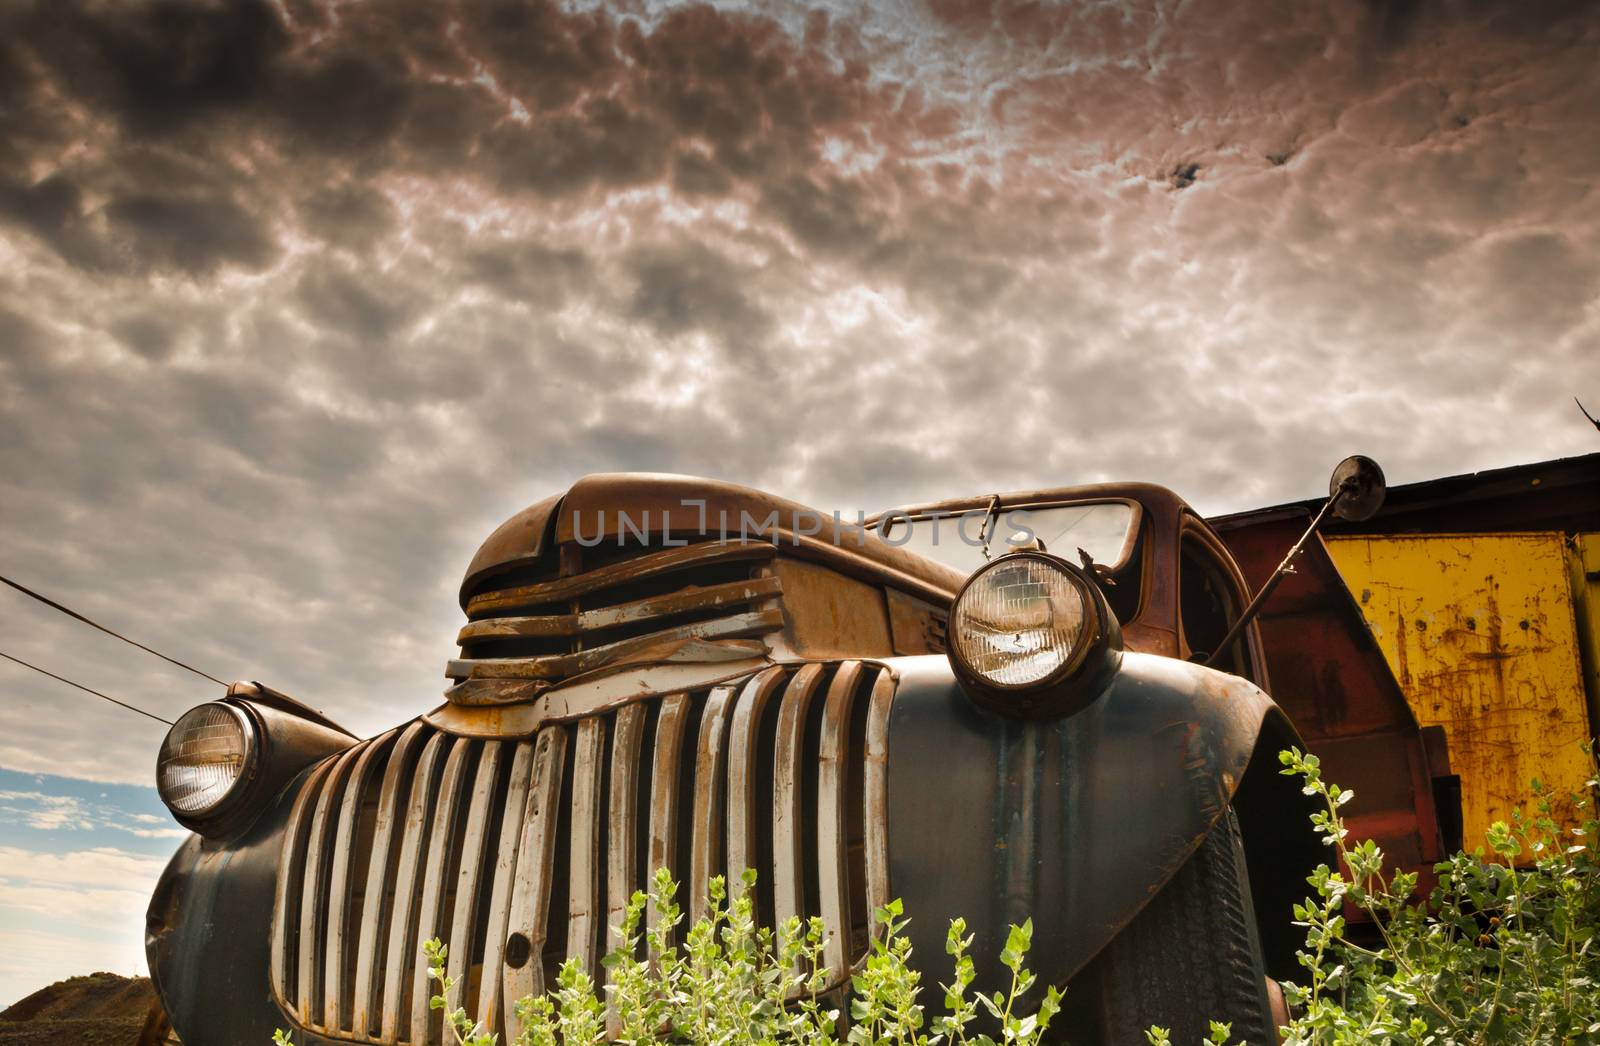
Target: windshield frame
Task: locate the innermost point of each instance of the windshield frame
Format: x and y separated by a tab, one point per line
999	505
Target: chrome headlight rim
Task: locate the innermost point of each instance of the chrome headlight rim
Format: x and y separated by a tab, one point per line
1072	682
216	814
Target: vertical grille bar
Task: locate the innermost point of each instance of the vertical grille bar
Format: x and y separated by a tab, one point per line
584	903
402	942
340	879
461	933
743	739
294	850
494	937
530	896
664	787
833	818
788	798
390	799
313	897
705	855
438	867
621	852
876	793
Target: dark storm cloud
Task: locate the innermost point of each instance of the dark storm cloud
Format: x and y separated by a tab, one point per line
338	299
529	271
348	215
688	287
298	300
194	236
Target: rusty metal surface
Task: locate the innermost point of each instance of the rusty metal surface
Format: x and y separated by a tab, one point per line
805	602
875	785
408	863
693	642
209	899
1480	632
299	821
585	910
596	504
622	857
732	593
475	845
671	725
574	699
522	540
833	814
313	905
429	912
341	882
1074	822
1332	680
391	813
530	891
636	568
710	779
521	853
503	876
788	805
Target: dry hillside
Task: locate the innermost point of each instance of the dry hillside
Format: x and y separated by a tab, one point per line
101	1009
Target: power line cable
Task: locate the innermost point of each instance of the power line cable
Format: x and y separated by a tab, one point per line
47	601
85	689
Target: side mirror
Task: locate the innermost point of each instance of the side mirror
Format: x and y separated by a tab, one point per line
1360	482
1355	493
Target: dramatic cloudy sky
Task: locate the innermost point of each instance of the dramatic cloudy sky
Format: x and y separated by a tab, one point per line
298	300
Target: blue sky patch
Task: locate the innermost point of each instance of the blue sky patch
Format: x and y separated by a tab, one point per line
47	813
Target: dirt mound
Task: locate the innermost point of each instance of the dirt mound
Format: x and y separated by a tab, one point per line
92	1031
101	1009
98	995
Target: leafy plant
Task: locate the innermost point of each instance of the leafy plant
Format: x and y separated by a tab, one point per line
1497	953
734	982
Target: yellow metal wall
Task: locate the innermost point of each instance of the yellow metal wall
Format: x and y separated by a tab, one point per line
1481	634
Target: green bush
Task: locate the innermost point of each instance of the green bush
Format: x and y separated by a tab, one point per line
1498	953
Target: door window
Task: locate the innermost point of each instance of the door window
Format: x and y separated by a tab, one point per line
1209	603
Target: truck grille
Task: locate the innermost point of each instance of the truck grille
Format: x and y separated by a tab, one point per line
609	607
521	853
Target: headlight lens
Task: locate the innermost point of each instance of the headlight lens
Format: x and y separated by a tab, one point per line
203	758
1020	621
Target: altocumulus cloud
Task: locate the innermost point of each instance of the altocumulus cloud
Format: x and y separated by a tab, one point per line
298	300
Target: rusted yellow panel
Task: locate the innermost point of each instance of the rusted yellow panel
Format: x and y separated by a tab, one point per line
1480	632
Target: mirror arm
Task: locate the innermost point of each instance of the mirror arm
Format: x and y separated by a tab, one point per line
1250	612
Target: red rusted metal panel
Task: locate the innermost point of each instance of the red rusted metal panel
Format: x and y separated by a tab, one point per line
1329	675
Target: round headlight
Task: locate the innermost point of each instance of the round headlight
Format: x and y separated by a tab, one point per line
205	756
1024	620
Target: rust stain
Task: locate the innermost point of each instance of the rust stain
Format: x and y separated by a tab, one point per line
1479	631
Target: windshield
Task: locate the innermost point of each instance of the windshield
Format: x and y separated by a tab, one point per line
1104	529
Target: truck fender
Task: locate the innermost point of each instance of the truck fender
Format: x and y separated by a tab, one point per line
1077	822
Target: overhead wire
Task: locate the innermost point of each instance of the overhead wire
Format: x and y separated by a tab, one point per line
47	601
85	689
